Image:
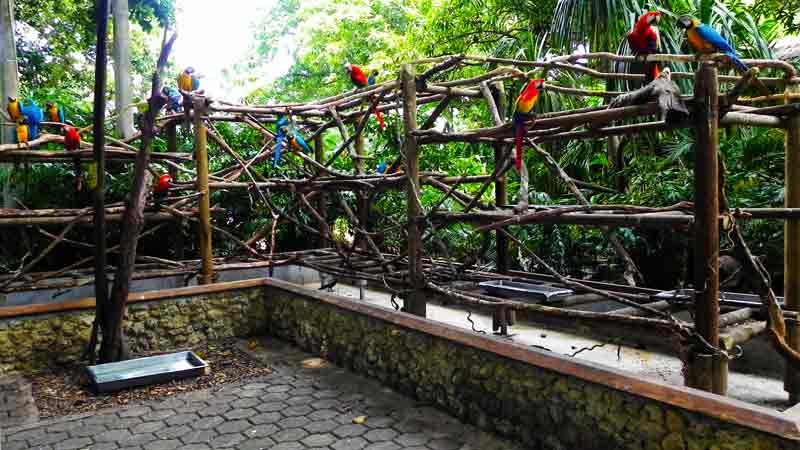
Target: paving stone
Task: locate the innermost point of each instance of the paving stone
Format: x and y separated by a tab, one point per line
148	427
65	426
158	415
292	434
383	446
412	439
167	444
267	417
240	413
253	386
182	419
350	430
325	403
214	410
234	426
322	426
140	439
275	397
279	388
326	393
171	403
380	434
100	419
300	410
222	399
25	435
379	422
87	430
444	444
195	447
206	423
319	440
200	436
261	430
127	422
173	432
135	411
251	394
131	447
323	414
227	440
272	407
246	402
288	446
294	422
299	400
15	445
257	444
113	436
302	391
74	443
356	443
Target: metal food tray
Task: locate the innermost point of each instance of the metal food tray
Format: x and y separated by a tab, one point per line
734	299
142	371
505	288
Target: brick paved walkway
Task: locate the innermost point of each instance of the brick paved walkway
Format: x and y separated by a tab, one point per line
295	408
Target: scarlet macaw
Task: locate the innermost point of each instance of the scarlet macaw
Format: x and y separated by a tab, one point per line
644	40
22	130
174	99
54	113
360	80
188	81
523	111
161	189
72	142
34	116
14	109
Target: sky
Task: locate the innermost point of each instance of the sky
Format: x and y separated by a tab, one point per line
214	35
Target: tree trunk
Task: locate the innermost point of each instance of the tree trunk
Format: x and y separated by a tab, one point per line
8	83
123	96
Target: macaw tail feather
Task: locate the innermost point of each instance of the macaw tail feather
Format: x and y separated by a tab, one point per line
656	71
33	132
276	158
380	119
737	63
519	133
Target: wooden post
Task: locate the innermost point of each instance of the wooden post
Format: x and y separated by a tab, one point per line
362	199
500	192
791	244
204	228
700	373
415	303
177	227
322	204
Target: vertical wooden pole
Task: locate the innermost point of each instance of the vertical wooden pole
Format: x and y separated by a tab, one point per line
99	137
706	227
791	244
500	192
177	227
362	198
322	205
204	228
415	303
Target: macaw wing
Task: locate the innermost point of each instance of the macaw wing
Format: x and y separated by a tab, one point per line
711	36
302	142
276	158
195	83
61	115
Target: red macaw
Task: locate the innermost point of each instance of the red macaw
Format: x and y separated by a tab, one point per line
644	40
72	142
360	80
161	188
523	111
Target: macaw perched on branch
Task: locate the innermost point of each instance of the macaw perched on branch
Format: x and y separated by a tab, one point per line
705	39
174	99
72	142
644	40
383	168
54	113
14	109
188	81
280	141
22	134
523	111
360	80
161	189
297	142
34	115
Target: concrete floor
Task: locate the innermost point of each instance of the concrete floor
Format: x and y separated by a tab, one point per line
762	386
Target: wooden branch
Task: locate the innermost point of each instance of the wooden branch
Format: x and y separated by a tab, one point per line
666	93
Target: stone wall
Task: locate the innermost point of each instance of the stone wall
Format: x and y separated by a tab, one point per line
164	321
543	408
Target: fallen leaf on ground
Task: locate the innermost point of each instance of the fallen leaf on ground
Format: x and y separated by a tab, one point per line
314	363
358	420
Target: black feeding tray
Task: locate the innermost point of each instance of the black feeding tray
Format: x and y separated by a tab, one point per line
525	291
142	371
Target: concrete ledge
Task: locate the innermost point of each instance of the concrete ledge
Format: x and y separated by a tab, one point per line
707	404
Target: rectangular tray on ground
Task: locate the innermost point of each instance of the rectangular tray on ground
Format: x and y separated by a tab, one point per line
505	288
141	371
734	299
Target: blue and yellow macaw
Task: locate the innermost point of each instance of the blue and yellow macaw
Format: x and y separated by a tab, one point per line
14	109
523	112
280	140
34	116
22	130
54	113
705	39
174	99
188	80
383	168
297	142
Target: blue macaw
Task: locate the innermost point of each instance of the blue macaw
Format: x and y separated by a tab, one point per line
174	99
382	167
297	142
34	116
705	39
280	140
372	78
